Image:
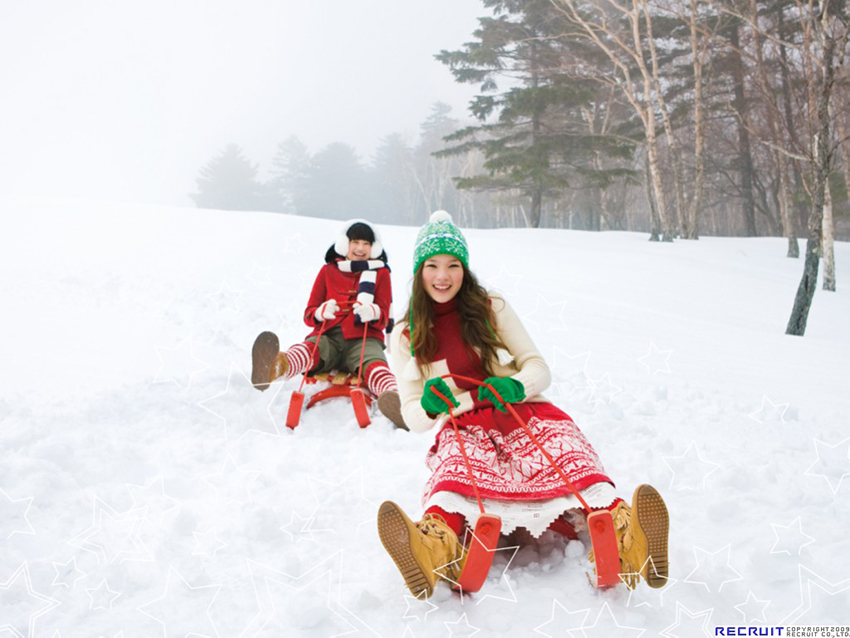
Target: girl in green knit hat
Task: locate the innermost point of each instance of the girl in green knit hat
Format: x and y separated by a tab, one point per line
453	325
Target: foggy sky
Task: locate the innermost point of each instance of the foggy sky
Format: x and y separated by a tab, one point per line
125	100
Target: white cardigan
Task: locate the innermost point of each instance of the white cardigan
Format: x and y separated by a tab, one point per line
528	368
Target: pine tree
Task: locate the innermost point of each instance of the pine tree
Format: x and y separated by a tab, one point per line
336	185
392	181
228	182
540	143
291	175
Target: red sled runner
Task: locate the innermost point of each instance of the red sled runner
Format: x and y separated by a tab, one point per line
485	536
342	384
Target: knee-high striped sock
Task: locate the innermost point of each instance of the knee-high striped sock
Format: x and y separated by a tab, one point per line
379	379
299	359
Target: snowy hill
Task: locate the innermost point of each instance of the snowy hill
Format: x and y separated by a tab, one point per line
147	489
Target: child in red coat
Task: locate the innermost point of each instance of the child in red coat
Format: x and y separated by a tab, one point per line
352	292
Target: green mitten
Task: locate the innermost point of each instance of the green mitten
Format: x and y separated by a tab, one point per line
511	390
433	404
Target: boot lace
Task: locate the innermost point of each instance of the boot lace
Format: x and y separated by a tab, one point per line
433	525
436	526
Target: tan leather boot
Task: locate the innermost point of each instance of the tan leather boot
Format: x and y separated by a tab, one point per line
423	551
642	531
268	362
389	404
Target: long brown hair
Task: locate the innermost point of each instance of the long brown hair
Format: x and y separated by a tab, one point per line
477	320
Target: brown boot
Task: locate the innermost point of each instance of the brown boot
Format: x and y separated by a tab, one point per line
390	406
642	531
422	551
268	361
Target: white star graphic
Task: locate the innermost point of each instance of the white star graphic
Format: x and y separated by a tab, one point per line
101	596
417	605
13	515
113	537
457	629
226	298
207	544
290	316
20	605
713	568
296	244
602	390
647	596
547	317
232	483
606	625
769	412
832	463
567	621
505	282
301	528
67	573
259	275
347	495
829	612
243	409
688	623
183	609
656	360
152	501
469	538
178	365
309	603
753	609
689	469
573	370
790	538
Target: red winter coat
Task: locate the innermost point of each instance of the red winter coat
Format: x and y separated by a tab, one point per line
331	282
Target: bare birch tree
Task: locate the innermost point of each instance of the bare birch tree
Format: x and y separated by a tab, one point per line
825	28
626	48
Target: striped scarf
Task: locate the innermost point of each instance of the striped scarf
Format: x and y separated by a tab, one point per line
368	270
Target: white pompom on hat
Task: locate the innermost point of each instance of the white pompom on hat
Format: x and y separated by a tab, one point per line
341	244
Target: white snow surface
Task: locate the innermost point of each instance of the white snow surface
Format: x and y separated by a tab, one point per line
146	489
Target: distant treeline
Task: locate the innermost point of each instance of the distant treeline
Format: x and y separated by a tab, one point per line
671	117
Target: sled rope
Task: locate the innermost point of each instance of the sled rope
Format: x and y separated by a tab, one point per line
362	353
313	355
462	448
528	431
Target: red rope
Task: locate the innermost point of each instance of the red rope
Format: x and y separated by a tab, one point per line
313	355
362	353
462	448
527	429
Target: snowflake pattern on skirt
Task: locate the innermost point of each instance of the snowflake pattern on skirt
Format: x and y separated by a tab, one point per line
506	463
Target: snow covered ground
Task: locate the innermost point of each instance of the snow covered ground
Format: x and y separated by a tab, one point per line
146	489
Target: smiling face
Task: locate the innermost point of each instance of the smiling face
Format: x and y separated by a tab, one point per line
358	250
442	276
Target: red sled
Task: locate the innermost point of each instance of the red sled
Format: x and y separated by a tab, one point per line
605	553
480	553
342	385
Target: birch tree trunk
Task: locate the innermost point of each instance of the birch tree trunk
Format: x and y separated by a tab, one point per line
654	220
820	169
624	55
668	126
828	241
773	115
691	231
744	154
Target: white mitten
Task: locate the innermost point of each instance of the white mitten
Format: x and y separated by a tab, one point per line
327	310
367	312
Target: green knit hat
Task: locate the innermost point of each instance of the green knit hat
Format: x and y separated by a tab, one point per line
440	237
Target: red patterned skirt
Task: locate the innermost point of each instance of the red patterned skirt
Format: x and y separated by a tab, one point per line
506	463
